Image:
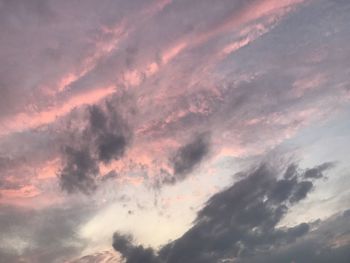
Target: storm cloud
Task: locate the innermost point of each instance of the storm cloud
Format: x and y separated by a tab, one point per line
237	222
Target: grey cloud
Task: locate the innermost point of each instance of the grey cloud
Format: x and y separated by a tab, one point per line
109	131
98	119
155	40
132	253
282	190
7	165
111	146
294	232
110	175
35	36
239	221
301	190
234	222
79	171
317	172
46	235
104	139
319	245
291	171
261	97
190	156
10	169
278	63
28	67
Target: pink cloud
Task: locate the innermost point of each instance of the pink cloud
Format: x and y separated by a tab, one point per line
173	51
307	84
256	10
24	120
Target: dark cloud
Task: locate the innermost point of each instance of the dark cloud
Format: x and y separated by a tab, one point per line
282	190
291	171
317	172
109	132
237	222
109	176
110	147
132	253
98	119
79	171
104	139
190	156
330	242
301	190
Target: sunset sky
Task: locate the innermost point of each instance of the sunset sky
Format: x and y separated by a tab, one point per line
174	131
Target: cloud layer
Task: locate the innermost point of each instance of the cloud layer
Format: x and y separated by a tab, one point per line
142	110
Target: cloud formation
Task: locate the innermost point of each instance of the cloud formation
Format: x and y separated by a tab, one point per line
188	157
329	242
47	235
133	254
111	98
79	171
104	139
236	223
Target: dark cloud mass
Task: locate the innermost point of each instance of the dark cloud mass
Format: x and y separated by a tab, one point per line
190	156
323	245
109	132
237	223
79	171
104	139
317	172
133	254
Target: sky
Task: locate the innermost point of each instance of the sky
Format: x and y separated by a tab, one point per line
168	131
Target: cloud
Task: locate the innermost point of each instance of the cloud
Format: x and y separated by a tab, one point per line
252	72
104	139
109	132
133	254
317	172
103	256
243	104
47	235
189	156
79	171
237	222
329	242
